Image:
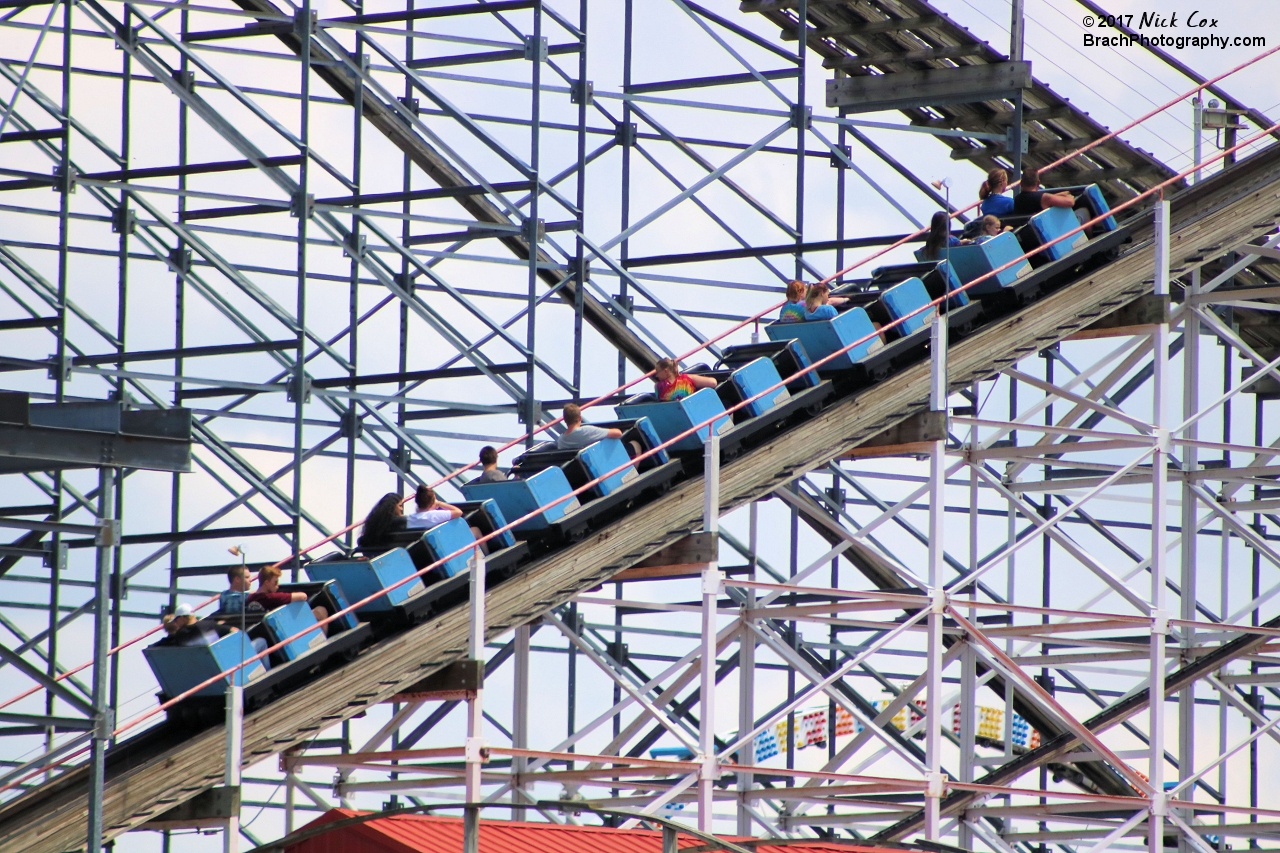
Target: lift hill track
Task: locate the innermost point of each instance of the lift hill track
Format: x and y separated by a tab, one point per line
158	769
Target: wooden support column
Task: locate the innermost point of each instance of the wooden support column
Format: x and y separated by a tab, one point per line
1135	318
209	809
688	556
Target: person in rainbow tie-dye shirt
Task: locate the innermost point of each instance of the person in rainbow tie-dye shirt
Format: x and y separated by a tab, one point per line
674	385
793	310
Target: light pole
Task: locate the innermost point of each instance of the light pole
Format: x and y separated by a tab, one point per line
235	723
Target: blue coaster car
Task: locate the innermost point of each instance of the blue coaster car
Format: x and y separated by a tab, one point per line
641	431
939	277
821	338
1048	225
360	579
486	516
673	418
453	537
1090	199
598	459
582	466
974	261
333	590
285	622
518	497
788	357
329	595
746	382
904	298
179	668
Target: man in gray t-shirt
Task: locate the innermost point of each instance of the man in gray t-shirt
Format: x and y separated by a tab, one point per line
489	475
576	435
489	472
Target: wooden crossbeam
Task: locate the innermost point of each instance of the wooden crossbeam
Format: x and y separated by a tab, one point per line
911	437
459	680
687	556
208	809
1098	176
1034	147
928	87
1136	318
999	119
927	54
778	5
868	28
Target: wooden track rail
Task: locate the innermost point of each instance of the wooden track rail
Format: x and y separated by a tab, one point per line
1212	218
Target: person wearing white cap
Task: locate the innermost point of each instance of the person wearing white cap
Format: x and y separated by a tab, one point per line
184	628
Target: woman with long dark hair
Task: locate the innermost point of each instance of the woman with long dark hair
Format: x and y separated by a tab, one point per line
939	237
387	514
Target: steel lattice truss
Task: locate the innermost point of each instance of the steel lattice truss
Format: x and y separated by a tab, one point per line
426	230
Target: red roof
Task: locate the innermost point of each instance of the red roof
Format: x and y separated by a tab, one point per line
430	834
